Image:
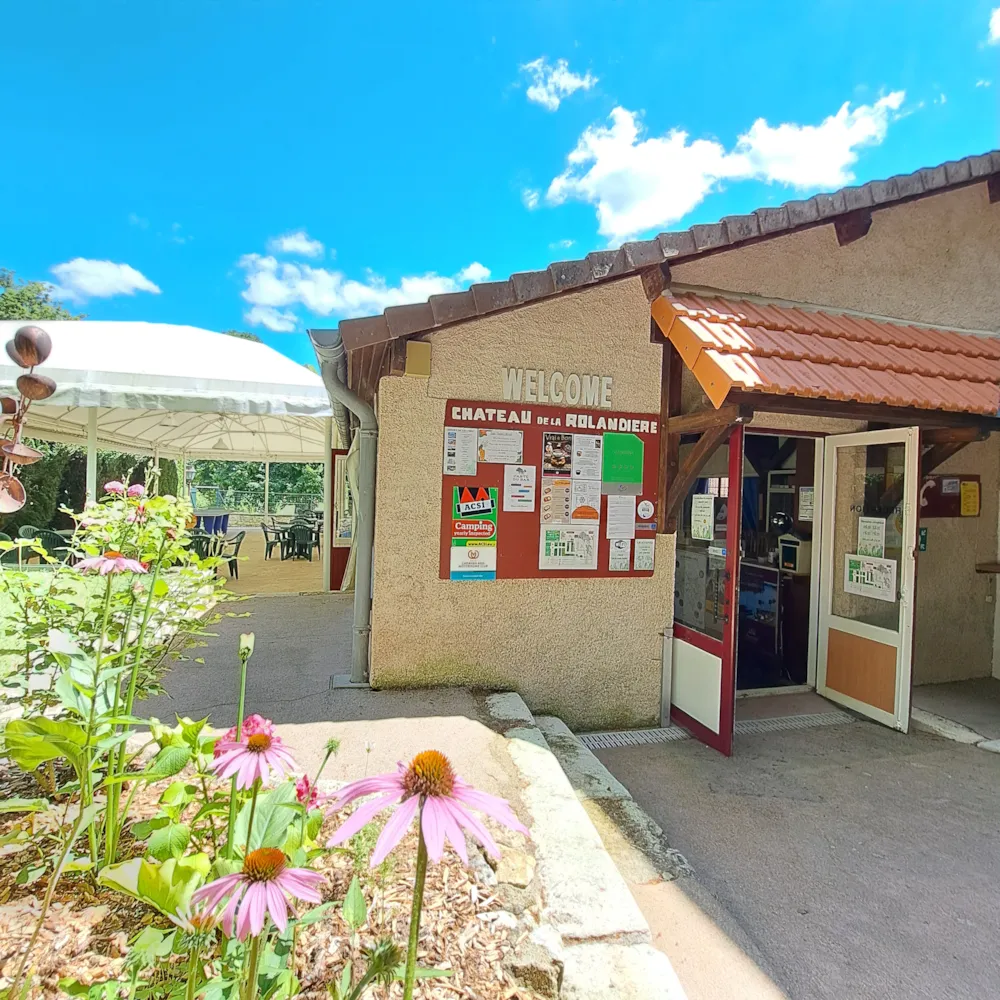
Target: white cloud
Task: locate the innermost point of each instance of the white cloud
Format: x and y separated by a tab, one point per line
637	182
550	84
474	272
530	198
298	243
561	244
81	279
275	288
994	26
137	220
984	83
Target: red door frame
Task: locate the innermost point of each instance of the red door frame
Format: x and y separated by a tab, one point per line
726	647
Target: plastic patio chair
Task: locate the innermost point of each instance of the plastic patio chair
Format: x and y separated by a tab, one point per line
10	557
269	542
301	543
53	543
232	556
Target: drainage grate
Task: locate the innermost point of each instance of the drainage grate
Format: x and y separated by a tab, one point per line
748	727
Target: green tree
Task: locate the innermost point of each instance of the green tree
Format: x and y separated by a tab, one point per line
243	335
29	299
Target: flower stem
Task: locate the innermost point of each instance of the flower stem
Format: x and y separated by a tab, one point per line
253	809
87	779
253	960
231	826
418	902
192	982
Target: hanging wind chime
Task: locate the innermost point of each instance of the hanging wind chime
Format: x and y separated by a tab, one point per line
29	347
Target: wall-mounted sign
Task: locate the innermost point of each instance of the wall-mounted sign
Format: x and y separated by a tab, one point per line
703	516
950	496
807	498
473	533
871	536
870	577
533	385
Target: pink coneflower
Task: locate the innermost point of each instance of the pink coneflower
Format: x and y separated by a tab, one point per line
251	724
136	490
114	487
111	562
252	758
263	886
306	792
195	918
430	781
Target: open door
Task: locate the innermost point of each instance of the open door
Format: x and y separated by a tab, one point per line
706	585
868	571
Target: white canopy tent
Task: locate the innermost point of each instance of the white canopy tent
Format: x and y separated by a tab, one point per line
181	392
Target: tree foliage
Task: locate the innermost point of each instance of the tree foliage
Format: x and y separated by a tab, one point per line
243	335
29	299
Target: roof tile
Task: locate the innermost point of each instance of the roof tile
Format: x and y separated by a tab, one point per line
707	237
741	227
772	220
789	350
532	285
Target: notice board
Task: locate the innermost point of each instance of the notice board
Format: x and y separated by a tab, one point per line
950	496
547	492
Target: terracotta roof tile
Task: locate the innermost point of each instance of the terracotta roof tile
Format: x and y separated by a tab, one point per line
732	231
793	351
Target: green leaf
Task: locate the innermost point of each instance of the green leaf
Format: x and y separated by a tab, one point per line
316	913
166	886
35	741
23	805
178	793
355	909
421	973
82	864
271	821
151	944
168	762
161	588
30	873
144	828
225	866
169	842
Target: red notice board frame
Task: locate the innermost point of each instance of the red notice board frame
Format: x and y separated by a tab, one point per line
518	532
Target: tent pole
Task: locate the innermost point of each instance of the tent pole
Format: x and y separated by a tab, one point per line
327	501
267	485
92	453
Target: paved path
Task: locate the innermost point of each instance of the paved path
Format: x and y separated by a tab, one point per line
857	862
300	642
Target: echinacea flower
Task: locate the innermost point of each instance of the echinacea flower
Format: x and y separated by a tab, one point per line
136	490
114	487
195	918
306	792
111	562
251	724
263	887
429	784
252	758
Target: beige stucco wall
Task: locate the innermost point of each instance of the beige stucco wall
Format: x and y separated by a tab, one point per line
953	617
936	260
587	650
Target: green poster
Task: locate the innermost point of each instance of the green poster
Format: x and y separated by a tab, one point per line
621	466
474	532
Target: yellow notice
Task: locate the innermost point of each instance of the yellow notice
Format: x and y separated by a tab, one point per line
970	498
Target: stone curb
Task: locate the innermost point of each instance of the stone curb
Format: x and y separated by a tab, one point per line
591	923
938	725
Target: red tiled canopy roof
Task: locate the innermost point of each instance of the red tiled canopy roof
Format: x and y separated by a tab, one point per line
794	351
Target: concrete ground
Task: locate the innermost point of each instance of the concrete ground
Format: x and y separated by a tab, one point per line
300	642
974	704
844	861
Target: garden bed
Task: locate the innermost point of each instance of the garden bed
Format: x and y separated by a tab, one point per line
465	928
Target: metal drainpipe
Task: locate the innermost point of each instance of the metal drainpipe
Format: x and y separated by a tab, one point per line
332	359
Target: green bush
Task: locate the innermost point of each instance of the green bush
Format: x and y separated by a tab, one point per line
42	486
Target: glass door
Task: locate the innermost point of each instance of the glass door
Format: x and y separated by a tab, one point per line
706	582
870	484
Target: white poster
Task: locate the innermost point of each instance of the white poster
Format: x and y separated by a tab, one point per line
587	456
871	536
519	488
807	501
703	516
621	517
556	500
460	451
644	549
501	447
619	555
567	547
646	509
867	576
585	500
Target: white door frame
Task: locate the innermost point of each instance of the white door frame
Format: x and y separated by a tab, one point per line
903	639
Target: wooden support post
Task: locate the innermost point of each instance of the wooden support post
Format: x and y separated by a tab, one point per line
693	464
704	420
671	367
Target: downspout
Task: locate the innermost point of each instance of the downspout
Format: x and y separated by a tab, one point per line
332	359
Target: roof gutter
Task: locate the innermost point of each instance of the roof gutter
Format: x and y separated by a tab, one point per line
332	359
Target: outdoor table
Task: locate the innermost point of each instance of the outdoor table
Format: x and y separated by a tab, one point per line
212	521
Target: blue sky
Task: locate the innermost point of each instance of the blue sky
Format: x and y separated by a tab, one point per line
277	165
